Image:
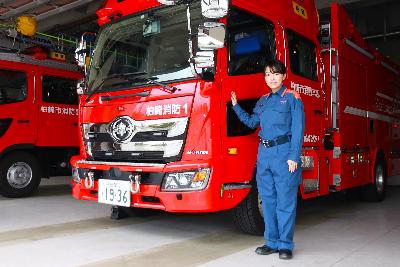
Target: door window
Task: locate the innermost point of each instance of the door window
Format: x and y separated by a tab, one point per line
59	90
13	86
303	59
251	42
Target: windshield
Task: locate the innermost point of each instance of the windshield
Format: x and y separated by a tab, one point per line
152	44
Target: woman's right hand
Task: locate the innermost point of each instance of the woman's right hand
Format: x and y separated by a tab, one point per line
233	98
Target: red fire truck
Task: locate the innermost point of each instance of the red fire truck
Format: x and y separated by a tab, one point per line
157	127
38	120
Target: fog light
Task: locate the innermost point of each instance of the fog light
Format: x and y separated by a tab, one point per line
75	175
186	181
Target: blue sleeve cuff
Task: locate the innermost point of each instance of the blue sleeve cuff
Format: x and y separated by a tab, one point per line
295	157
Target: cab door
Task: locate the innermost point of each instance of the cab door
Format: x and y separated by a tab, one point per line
58	110
18	105
251	43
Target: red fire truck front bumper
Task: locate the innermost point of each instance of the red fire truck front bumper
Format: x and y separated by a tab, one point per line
174	187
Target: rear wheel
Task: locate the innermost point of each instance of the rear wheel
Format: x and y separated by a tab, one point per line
19	175
376	191
248	215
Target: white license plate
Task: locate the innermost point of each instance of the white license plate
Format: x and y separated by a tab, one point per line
115	192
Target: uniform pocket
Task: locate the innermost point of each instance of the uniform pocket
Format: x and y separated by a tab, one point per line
294	178
291	179
281	108
281	114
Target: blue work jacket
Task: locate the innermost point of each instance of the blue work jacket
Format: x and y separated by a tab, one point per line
280	113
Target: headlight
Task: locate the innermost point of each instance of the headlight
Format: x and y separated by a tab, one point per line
86	127
307	162
186	181
178	127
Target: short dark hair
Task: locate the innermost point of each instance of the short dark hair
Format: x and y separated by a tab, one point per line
275	66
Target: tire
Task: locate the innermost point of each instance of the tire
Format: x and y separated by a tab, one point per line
248	214
20	175
376	192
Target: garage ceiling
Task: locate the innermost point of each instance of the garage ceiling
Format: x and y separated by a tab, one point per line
55	15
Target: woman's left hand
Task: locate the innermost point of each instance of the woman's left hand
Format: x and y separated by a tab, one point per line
292	165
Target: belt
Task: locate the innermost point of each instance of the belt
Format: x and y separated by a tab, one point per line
277	141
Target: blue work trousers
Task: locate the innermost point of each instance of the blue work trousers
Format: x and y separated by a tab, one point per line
277	188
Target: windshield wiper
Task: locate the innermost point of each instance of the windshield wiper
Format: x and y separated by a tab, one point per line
152	80
128	78
115	75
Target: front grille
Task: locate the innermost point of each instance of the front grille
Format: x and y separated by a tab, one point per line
158	141
128	156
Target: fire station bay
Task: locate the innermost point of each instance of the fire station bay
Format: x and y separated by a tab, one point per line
212	133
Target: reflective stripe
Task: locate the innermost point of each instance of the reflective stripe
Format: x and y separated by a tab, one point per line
359	49
368	114
384	96
390	68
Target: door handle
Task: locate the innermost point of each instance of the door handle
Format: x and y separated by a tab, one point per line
23	121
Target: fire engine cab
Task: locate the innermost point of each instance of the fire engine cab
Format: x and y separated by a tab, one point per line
38	119
157	127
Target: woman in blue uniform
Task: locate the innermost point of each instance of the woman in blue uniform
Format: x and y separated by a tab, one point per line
280	115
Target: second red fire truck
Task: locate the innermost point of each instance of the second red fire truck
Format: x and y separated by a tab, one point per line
157	127
38	118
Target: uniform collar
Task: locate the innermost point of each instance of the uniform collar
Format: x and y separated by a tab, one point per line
279	92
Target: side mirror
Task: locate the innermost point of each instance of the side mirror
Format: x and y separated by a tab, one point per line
214	9
211	36
325	36
81	87
204	59
151	27
83	50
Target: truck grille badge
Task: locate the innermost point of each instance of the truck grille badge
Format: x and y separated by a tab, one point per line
122	129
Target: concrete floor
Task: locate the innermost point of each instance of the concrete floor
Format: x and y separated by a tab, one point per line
53	229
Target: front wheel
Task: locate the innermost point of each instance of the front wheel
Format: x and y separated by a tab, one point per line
19	175
248	215
376	191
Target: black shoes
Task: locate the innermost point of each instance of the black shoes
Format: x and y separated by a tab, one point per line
265	250
285	254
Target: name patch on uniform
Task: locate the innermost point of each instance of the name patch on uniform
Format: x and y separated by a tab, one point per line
283	101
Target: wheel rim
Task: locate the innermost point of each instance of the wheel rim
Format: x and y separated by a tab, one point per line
19	175
379	179
260	208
